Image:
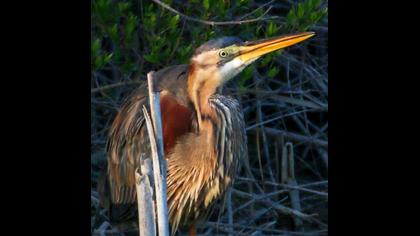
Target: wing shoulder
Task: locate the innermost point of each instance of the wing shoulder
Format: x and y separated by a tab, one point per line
128	139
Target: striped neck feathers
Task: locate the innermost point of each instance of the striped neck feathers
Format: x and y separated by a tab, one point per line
203	82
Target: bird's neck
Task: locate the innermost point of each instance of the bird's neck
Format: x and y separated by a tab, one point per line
201	86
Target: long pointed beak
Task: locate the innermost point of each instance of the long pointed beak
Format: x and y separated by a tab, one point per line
250	51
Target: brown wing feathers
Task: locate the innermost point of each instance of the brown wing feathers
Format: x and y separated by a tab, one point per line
125	144
128	135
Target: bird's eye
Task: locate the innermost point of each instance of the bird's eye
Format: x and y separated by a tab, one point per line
223	54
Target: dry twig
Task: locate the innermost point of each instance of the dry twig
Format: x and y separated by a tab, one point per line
158	159
207	22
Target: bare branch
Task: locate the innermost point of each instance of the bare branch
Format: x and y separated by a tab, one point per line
158	159
296	137
147	217
115	85
207	22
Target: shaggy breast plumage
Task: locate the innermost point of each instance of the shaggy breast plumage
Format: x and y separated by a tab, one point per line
196	178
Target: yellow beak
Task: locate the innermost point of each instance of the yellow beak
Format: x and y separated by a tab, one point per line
253	50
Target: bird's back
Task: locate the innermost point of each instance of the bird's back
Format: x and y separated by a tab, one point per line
128	140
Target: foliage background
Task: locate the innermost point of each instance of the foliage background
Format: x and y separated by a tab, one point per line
284	96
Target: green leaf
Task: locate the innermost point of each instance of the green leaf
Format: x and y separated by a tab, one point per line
113	33
153	19
243	2
206	4
259	29
129	67
316	3
291	18
123	6
107	58
98	62
300	11
278	52
96	45
130	27
272	72
174	21
271	29
266	59
151	58
313	17
247	73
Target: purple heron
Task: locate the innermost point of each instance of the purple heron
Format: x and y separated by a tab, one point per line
203	130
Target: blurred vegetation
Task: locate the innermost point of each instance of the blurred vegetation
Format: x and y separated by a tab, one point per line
133	37
130	38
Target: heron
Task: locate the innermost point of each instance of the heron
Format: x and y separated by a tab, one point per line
203	131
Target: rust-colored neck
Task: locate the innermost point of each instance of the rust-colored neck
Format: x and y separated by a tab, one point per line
202	83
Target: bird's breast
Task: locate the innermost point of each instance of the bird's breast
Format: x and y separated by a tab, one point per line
201	166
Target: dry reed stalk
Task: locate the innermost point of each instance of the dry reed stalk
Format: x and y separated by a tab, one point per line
144	183
158	159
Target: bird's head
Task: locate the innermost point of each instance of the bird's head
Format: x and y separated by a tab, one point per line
219	60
